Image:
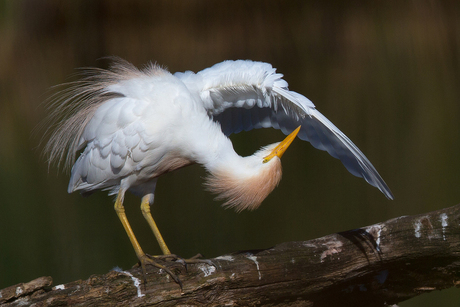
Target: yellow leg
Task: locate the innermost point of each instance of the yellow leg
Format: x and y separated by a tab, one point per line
145	207
143	258
124	220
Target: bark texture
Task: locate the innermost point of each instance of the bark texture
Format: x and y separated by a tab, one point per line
377	265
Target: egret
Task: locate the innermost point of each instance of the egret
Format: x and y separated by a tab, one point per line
130	126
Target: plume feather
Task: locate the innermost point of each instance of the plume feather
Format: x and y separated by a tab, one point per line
73	107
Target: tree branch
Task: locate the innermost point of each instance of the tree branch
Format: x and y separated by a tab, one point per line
378	265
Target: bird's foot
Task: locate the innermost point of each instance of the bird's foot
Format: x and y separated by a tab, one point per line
165	262
193	260
151	260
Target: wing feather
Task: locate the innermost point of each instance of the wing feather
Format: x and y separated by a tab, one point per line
245	95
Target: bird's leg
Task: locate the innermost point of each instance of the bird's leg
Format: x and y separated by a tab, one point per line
120	210
143	258
145	207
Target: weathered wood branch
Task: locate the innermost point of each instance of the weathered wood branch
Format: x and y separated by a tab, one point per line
378	265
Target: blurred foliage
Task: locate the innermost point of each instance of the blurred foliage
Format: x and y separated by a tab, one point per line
385	72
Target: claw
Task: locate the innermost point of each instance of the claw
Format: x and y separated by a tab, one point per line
169	260
147	259
195	259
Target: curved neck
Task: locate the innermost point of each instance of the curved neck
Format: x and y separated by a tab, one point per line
244	182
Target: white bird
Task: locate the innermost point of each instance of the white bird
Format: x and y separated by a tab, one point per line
131	126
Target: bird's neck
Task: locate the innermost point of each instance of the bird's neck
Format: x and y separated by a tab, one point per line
243	182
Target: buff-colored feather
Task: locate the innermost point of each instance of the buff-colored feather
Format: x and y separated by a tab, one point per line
246	191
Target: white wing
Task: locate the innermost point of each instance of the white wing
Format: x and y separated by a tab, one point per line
114	142
117	125
246	95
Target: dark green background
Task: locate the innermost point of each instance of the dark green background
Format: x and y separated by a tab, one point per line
387	73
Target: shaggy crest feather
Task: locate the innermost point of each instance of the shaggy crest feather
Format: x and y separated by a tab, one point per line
74	106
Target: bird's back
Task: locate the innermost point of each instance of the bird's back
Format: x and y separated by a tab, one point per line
124	135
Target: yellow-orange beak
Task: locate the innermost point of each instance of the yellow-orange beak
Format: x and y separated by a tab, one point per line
281	148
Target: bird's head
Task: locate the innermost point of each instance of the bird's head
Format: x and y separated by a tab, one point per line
244	185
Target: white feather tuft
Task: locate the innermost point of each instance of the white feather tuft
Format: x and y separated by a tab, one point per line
73	107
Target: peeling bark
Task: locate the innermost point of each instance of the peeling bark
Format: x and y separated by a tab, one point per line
378	265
